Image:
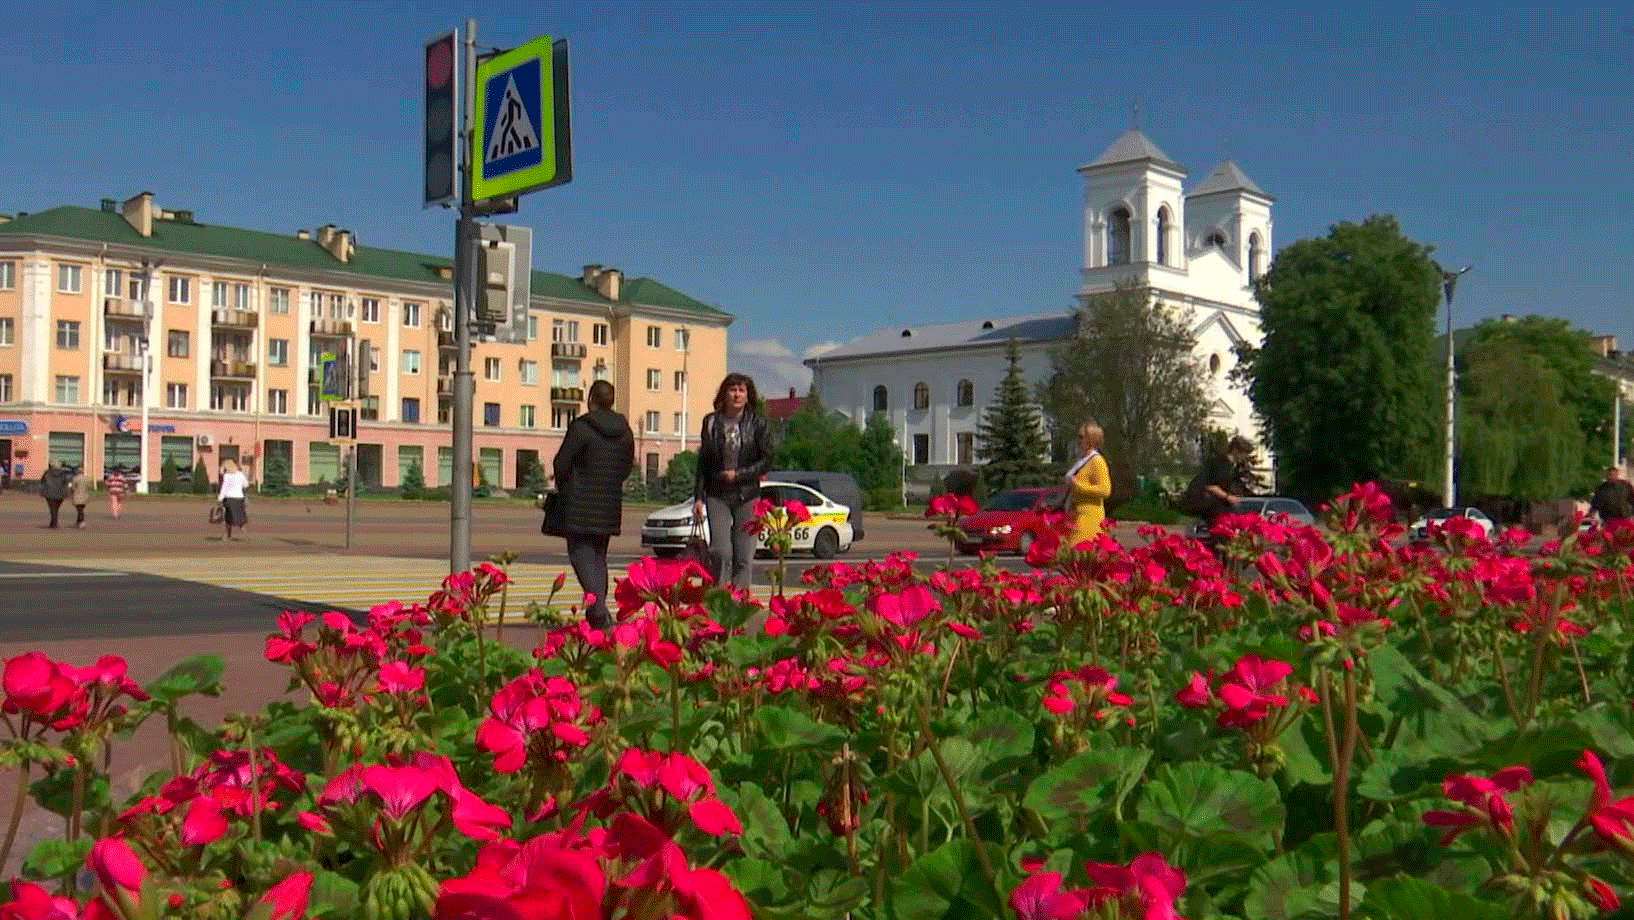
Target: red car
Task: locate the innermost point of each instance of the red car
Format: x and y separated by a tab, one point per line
1009	522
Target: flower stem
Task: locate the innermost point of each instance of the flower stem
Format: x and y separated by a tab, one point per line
1341	794
18	801
958	795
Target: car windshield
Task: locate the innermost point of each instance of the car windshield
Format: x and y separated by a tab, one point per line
1013	500
1441	514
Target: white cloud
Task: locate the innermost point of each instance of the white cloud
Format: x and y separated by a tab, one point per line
774	366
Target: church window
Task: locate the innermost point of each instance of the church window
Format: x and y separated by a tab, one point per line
1254	256
966	395
921	396
1216	238
880	402
1163	236
1117	237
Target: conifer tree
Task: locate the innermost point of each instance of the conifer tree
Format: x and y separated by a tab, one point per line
1010	437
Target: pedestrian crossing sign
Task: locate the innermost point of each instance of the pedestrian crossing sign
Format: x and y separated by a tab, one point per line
520	111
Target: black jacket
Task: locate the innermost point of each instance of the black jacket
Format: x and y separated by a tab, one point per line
1613	500
54	484
595	458
754	458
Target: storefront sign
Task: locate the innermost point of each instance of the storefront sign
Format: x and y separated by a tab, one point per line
123	425
13	426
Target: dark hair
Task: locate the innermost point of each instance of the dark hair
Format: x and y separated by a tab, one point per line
731	381
602	394
1240	445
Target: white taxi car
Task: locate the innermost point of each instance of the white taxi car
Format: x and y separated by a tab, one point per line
828	532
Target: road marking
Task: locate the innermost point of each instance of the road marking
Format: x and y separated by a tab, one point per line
88	573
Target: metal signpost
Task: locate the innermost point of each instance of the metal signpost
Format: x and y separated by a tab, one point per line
513	136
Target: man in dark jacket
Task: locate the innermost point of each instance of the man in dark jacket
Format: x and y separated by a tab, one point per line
1614	498
595	458
54	488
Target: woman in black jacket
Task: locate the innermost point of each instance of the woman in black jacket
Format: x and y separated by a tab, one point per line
734	454
595	458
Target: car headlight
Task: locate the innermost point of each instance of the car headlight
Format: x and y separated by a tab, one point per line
1001	530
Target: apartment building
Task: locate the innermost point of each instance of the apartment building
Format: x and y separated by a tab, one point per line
240	320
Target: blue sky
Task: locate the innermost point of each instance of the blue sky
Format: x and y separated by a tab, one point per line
823	170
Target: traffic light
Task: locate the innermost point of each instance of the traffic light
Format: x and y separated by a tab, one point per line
442	119
342	423
494	273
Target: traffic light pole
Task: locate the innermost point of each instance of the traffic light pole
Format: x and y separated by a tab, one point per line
459	533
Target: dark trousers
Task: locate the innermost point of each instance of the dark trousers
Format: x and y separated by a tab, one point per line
55	504
588	555
732	547
79	515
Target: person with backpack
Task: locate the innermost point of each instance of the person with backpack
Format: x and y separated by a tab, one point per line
1210	494
734	454
1089	485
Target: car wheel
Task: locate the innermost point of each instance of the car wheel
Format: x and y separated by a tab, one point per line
826	544
1024	543
666	552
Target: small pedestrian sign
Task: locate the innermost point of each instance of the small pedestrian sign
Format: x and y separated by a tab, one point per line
522	140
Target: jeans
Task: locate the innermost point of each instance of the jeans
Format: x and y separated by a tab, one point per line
588	555
732	547
55	505
79	515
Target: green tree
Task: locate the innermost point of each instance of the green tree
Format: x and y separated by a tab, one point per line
879	463
414	481
1518	436
1010	436
533	481
201	478
816	438
1344	381
169	477
1130	365
275	480
679	476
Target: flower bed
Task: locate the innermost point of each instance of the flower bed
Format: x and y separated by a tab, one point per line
1318	724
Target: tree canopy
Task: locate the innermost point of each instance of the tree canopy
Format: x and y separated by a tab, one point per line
818	438
1345	381
1517	435
1010	436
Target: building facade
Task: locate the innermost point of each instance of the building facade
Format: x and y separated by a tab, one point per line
1198	250
240	320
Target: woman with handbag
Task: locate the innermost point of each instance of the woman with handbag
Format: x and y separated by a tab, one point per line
587	508
734	454
231	496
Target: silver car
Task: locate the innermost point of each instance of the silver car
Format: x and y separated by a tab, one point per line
1266	506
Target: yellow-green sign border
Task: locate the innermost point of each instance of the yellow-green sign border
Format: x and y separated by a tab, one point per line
523	180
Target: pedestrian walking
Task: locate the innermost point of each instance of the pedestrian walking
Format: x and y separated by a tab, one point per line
1089	485
231	496
596	456
734	454
80	489
116	491
1613	498
54	488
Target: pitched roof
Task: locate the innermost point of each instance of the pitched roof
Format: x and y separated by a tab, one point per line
1228	177
292	252
976	333
1134	146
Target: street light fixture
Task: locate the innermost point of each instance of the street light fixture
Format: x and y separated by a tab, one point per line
1449	488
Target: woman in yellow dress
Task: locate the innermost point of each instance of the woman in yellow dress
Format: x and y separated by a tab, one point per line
1089	484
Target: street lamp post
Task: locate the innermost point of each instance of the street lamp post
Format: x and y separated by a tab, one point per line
1449	488
142	466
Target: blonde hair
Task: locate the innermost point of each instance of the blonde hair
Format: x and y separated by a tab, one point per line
229	465
1092	432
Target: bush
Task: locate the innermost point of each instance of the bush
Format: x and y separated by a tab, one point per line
888	498
169	478
483	488
201	478
275	478
680	477
414	481
534	481
1148	509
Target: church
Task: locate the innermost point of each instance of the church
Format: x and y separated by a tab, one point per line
1200	249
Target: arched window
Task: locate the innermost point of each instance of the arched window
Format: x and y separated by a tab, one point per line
1163	235
965	394
1253	257
1117	236
1215	238
921	395
880	402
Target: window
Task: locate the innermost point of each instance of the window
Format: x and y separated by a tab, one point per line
564	330
67	389
66	448
410	456
278	300
1216	238
322	462
530	373
5	388
490	414
680	381
67	334
176	396
241	296
655	336
68	277
411	314
176	343
1117	236
278	352
411	361
225	397
652	467
491	460
599	372
490	368
680	423
1163	236
964	394
411	409
880	402
967	447
119	392
218	294
7	332
111	285
278	402
560	416
651	421
598	331
655	379
525	416
533	328
1254	256
921	396
370	308
181	289
683	338
8	275
921	449
337	307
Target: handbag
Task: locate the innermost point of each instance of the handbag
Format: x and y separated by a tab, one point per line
555	509
697	548
218	513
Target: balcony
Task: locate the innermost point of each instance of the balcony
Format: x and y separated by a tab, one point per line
332	328
567	350
232	370
446	340
573	395
119	362
234	318
445	385
122	308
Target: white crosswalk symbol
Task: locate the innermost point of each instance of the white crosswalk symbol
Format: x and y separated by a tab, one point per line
513	129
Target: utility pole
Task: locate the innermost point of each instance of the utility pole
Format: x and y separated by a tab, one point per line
147	370
459	534
1449	488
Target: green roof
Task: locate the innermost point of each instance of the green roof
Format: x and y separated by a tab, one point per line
293	252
